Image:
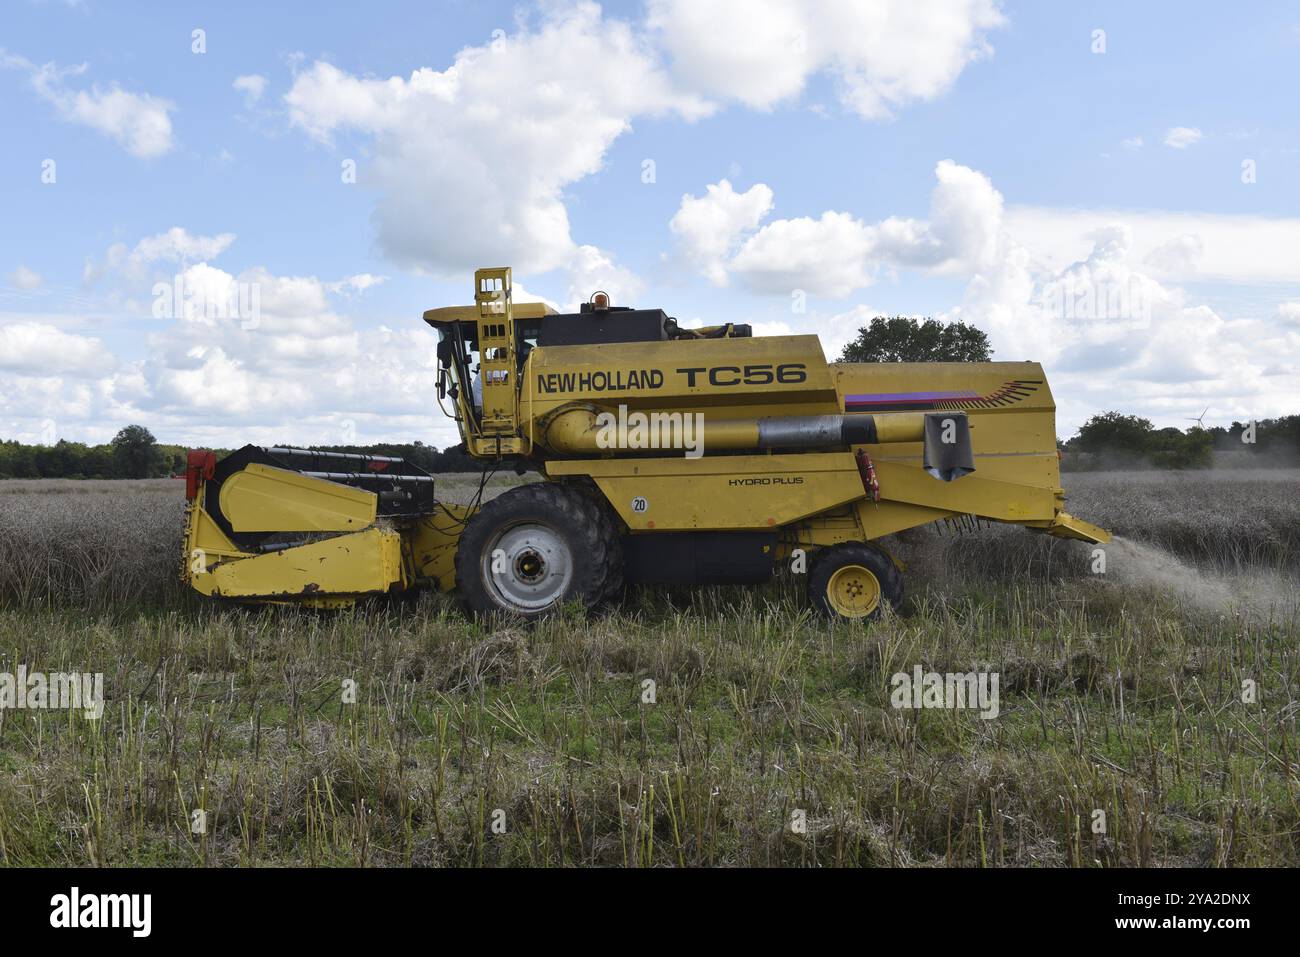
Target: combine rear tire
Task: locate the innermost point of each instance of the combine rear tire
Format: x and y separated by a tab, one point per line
853	580
534	548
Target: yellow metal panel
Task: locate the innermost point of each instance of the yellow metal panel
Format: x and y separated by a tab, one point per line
721	492
1012	414
985	379
493	446
680	465
885	518
971	494
767	375
265	499
1020	468
522	310
823	530
205	544
433	544
1066	525
361	563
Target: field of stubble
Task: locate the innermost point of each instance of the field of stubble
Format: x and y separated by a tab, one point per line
472	745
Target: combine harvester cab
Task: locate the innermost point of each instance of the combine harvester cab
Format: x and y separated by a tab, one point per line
670	456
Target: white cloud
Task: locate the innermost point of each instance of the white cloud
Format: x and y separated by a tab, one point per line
1082	291
837	253
1099	321
1179	256
1002	301
25	279
485	149
252	86
1133	143
358	283
291	370
284	360
965	221
838	330
179	245
41	349
520	294
829	256
176	245
882	55
1181	137
496	138
754	51
141	123
592	270
298	371
709	226
1096	312
1096	320
1177	246
773	327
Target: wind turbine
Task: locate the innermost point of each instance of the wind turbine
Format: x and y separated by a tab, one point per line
1199	420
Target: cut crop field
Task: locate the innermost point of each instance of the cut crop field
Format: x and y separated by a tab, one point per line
1148	700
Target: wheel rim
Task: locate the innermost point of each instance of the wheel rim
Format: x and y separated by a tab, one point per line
527	567
853	591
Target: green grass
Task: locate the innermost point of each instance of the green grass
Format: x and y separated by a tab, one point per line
1115	696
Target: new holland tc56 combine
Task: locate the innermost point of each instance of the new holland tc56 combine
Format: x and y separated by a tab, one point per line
670	456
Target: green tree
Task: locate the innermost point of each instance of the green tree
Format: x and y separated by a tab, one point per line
1192	449
902	339
136	453
1127	441
1114	432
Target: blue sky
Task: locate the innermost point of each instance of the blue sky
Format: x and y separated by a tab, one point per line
1003	164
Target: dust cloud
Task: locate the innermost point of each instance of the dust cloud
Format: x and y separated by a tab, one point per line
1260	591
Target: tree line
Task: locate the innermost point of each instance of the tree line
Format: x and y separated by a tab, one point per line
1110	440
134	453
1115	440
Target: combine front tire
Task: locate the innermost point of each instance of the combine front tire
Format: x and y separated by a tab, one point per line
534	548
853	580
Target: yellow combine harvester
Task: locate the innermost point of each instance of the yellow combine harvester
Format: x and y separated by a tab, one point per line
670	455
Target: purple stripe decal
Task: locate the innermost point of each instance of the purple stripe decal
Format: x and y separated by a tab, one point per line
886	397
